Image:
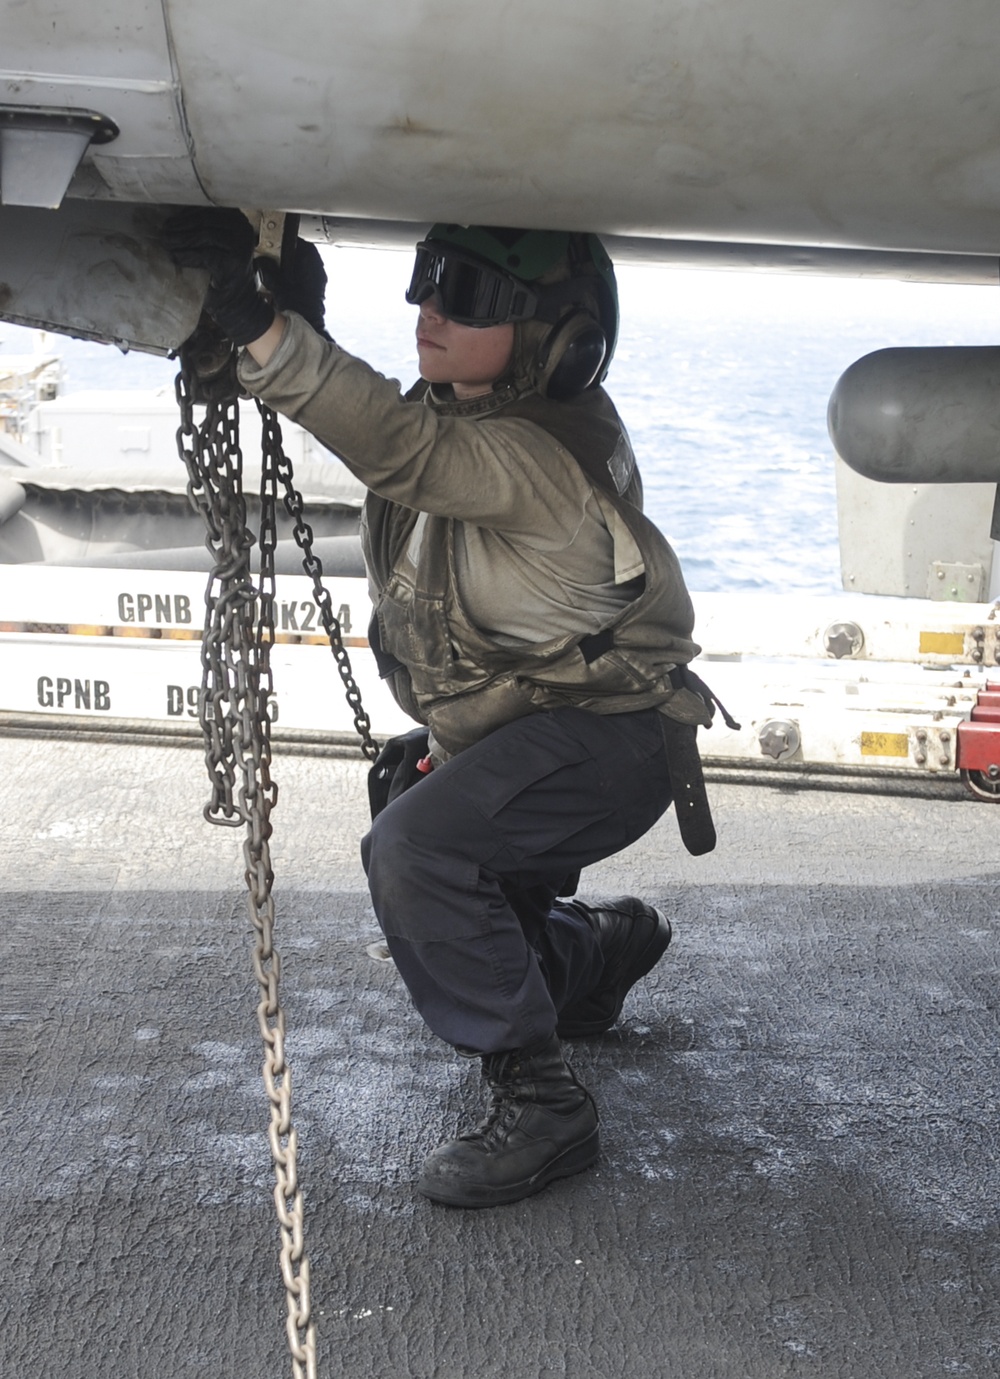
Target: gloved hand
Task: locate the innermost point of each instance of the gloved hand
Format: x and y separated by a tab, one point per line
299	285
223	242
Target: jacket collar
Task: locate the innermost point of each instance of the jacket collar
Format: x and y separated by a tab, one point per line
442	399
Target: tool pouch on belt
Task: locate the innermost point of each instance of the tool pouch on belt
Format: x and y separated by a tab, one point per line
687	779
396	768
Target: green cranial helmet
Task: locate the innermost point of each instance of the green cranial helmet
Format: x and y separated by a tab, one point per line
487	275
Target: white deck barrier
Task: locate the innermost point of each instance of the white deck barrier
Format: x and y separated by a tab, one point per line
83	644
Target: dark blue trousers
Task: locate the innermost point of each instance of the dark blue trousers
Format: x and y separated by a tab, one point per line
465	867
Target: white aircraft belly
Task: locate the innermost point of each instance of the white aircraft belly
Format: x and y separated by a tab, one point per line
111	56
863	123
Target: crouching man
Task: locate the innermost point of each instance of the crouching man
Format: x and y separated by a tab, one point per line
532	618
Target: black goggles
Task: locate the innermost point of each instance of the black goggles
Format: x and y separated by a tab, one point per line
468	289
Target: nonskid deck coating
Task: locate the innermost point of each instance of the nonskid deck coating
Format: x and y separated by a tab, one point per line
799	1173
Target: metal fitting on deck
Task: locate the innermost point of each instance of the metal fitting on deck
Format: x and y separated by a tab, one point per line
779	738
843	639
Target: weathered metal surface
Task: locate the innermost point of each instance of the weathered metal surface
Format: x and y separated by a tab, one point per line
114	57
852	139
918	416
97	272
719	254
854	125
917	631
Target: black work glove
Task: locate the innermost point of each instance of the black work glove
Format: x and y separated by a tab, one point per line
299	285
223	242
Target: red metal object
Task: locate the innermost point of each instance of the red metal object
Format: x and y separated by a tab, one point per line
978	747
987	708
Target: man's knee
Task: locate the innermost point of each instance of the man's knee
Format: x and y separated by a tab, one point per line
401	857
384	847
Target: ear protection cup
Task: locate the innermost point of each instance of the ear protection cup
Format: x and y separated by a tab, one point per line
571	358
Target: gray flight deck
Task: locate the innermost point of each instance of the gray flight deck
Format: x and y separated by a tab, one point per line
800	1130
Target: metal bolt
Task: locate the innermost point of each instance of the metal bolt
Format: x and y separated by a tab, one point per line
921	734
920	758
779	739
945	735
843	639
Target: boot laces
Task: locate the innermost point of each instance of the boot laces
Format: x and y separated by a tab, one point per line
498	1070
498	1122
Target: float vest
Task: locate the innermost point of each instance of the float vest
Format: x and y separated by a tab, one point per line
447	673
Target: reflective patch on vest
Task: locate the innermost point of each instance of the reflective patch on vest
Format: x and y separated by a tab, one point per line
629	563
411	558
621	464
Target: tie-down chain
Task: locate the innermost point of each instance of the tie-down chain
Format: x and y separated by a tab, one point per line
234	713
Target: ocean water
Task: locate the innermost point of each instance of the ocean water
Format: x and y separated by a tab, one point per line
722	379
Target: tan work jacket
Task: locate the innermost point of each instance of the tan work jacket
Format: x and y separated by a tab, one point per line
512	483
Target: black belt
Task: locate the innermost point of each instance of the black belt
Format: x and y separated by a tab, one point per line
687	779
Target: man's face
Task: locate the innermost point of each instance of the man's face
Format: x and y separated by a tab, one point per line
471	358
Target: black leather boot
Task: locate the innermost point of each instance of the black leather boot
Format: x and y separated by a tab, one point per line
542	1125
633	937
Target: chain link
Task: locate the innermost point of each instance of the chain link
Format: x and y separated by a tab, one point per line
301	530
234	711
